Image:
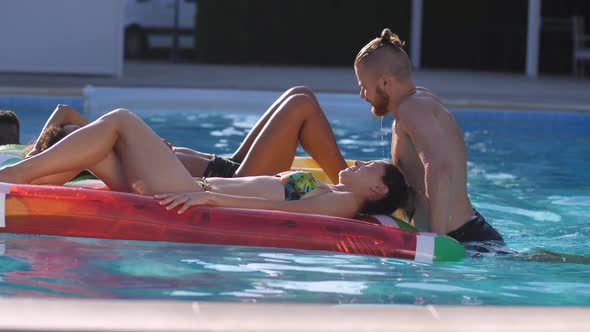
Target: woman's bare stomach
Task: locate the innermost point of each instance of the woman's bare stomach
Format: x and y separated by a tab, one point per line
267	187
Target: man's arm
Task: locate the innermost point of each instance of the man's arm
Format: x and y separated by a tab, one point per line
431	144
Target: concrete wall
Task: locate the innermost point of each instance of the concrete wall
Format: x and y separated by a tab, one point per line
62	36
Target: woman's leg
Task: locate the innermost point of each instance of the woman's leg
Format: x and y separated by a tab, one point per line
109	170
148	164
244	148
195	162
299	119
63	121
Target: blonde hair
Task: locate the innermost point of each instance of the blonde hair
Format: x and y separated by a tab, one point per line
398	63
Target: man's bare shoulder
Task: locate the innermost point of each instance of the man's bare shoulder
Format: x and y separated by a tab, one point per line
418	111
419	103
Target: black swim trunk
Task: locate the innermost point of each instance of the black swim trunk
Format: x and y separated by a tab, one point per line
478	235
220	167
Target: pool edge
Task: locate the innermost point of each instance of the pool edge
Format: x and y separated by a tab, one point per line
25	314
482	104
45	92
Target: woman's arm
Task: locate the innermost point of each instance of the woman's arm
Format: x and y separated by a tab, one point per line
331	203
65	114
62	115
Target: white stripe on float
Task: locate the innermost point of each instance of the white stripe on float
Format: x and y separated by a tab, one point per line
4	189
2	210
385	220
425	247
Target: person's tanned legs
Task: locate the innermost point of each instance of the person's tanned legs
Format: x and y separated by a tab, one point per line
240	154
297	120
149	165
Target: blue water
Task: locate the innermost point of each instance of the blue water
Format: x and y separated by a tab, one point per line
528	174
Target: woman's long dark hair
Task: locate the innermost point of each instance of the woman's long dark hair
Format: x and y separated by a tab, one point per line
398	195
47	139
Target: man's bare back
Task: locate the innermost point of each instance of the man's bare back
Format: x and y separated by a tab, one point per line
424	107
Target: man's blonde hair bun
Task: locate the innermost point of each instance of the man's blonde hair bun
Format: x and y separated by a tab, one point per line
388	37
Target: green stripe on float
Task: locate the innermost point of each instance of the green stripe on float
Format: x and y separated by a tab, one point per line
447	249
391	221
438	248
404	225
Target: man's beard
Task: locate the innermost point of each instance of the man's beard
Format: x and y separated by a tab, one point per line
379	108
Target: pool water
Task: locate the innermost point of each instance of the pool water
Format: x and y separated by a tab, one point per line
528	174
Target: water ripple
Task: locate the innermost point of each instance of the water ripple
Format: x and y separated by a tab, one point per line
536	215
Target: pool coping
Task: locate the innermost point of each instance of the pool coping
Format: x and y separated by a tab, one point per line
38	92
26	314
480	104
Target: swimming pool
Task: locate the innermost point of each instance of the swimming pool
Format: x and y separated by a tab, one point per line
527	175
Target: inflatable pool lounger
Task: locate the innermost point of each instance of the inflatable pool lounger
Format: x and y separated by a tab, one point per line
79	210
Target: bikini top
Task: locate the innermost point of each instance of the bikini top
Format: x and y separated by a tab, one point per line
297	184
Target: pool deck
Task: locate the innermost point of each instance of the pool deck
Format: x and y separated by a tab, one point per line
117	315
456	88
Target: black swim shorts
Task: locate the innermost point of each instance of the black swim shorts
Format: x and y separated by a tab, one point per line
478	235
221	168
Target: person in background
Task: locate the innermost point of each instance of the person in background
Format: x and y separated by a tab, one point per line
9	128
294	118
427	143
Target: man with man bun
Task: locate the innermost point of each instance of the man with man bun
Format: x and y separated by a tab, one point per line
427	143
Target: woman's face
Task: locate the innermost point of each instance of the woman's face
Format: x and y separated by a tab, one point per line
365	173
